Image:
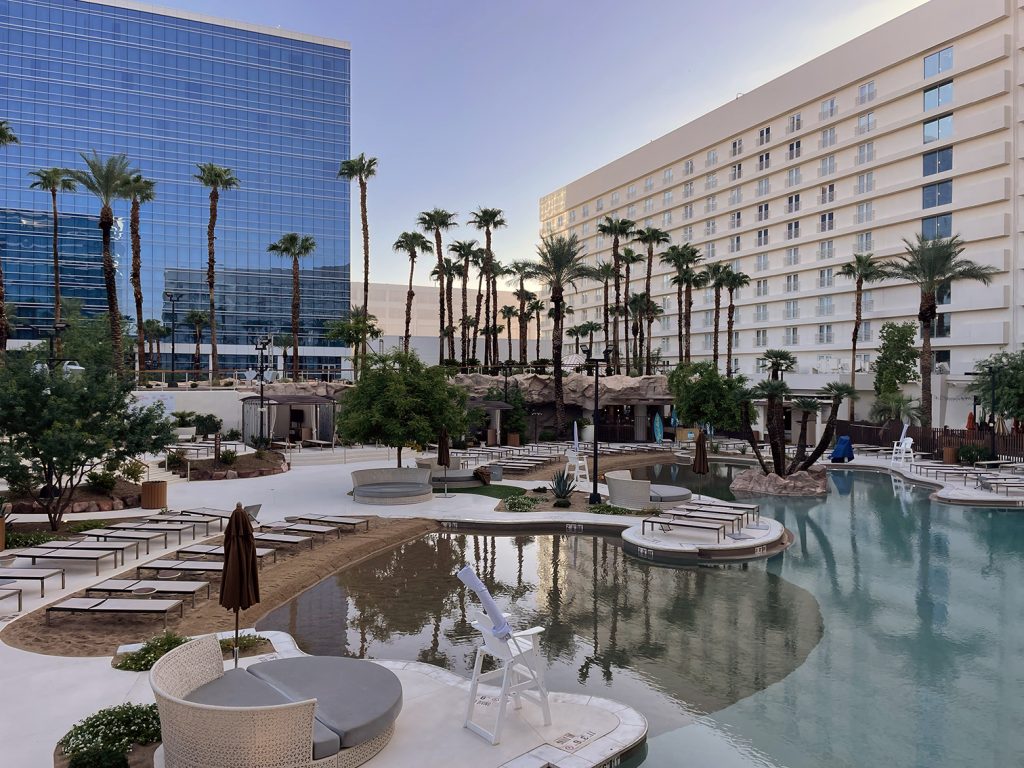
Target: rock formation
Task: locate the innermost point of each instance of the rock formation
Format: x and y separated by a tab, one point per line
578	387
752	482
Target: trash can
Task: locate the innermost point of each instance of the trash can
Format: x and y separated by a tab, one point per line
154	494
496	472
949	454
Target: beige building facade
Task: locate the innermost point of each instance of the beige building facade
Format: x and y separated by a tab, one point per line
914	127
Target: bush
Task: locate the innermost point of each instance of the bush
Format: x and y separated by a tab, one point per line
143	659
175	460
520	503
99	757
132	471
233	435
86	525
101	482
184	418
562	486
245	643
98	738
608	509
193	385
19	539
541	489
228	457
968	454
207	424
547	435
259	454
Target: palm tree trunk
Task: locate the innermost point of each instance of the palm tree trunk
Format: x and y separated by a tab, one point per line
801	444
136	282
556	357
110	282
449	286
408	302
211	280
857	312
488	357
479	308
650	316
615	319
538	336
687	317
826	437
366	271
295	316
730	319
718	317
776	435
926	315
463	330
58	344
440	294
524	321
679	321
3	316
748	433
510	338
607	338
199	339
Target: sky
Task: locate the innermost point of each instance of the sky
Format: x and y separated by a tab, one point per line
494	103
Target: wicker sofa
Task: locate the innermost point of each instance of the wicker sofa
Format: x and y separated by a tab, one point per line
624	491
403	485
264	716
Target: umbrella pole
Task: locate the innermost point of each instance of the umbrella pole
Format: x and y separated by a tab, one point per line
236	639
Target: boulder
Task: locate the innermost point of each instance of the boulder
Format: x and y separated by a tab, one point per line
105	505
116	504
752	482
218	475
231	475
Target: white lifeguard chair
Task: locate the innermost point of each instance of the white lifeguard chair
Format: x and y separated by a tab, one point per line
576	466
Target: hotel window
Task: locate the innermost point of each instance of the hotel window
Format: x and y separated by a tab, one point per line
686	233
736	172
764	161
615	198
939	128
666	176
648	184
572	216
793	203
735	220
666	218
764	135
792	283
825	335
865	183
761	338
938	96
586	210
825	278
712	157
944	294
828	138
599	241
599	205
631	191
710	227
938	161
863	362
735	196
631	211
648	222
711	204
762	237
709	318
586	227
795	123
762	212
865	123
791	336
827	165
865	152
866	92
792	311
648	205
792	256
864	332
760	313
710	181
688	211
761	262
828	109
687	167
734	244
941	61
763	186
688	189
761	288
828	194
710	250
937	194
826	222
793	230
825	306
736	148
792	177
561	220
794	150
867	301
666	197
865	213
826	250
709	295
864	242
942	327
934	227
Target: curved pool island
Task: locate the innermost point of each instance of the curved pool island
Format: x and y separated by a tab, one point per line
683	542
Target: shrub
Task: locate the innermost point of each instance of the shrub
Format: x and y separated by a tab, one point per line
207	424
541	489
184	418
228	457
245	643
968	454
144	658
175	460
99	757
546	435
86	525
101	482
233	435
713	447
132	471
19	539
193	385
562	486
259	454
608	509
228	383
520	503
112	731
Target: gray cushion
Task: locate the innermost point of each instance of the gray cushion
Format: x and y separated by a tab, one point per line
669	493
356	699
237	688
390	490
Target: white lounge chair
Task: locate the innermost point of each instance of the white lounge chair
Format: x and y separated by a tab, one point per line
902	451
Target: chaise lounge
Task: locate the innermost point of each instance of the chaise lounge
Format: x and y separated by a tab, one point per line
402	485
624	491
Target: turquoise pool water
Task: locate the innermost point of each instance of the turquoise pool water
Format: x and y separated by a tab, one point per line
890	634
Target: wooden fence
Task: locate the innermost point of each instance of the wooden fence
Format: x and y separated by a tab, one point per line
1009	446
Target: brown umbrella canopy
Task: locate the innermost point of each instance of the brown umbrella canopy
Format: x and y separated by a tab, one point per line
444	457
700	455
239	583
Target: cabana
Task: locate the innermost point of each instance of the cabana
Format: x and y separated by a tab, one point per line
289	418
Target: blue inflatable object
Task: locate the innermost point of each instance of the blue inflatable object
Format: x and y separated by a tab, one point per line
843	450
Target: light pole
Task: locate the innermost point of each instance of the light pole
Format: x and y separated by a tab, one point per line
173	298
261	347
595	497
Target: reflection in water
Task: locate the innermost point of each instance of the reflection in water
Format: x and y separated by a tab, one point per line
668	642
716	483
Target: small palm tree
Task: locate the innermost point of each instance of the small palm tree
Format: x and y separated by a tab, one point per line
775	393
932	264
863	269
635	307
682	259
778	362
284	341
588	329
574	334
355	331
215	178
464	250
617	230
294	246
536	309
139	190
361	168
508	313
54	180
488	220
478	261
650	237
198	320
807	406
604	272
518	272
412	243
733	282
628	258
105	178
437	221
716	276
892	407
836	391
155	332
560	264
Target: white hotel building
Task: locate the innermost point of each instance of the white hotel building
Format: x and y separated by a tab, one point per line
913	127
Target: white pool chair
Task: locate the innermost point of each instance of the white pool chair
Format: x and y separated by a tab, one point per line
902	451
576	466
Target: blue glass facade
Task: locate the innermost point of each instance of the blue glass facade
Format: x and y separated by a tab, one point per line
172	92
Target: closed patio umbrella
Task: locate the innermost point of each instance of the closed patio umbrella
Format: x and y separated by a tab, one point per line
444	457
700	459
240	583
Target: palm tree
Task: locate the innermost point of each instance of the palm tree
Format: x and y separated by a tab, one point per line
807	406
361	168
682	259
478	260
616	229
836	391
488	220
778	362
412	243
139	190
436	221
574	334
932	264
733	282
294	246
496	272
155	331
216	178
198	320
445	274
508	312
603	273
7	138
628	258
775	392
54	180
536	308
863	269
559	266
464	249
651	237
284	341
104	178
7	135
588	329
652	311
892	407
518	272
716	276
635	308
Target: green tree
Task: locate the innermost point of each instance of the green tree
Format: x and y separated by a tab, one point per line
198	320
588	329
413	244
54	181
932	264
733	282
105	178
488	220
616	229
357	328
807	406
56	428
398	401
703	397
437	221
284	341
445	273
896	363
295	247
7	135
775	392
1008	368
778	362
215	178
139	190
836	391
650	237
361	168
683	260
536	309
863	269
716	275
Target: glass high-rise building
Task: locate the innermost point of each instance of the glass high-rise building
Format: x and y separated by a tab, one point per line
170	90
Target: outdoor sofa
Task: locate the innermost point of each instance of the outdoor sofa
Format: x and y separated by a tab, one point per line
402	485
624	491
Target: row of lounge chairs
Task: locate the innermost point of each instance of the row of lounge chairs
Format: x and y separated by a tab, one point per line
726	519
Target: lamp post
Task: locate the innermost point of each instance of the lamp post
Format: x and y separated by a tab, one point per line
595	497
173	298
261	370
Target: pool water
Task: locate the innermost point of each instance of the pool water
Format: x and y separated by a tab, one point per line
890	634
716	483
